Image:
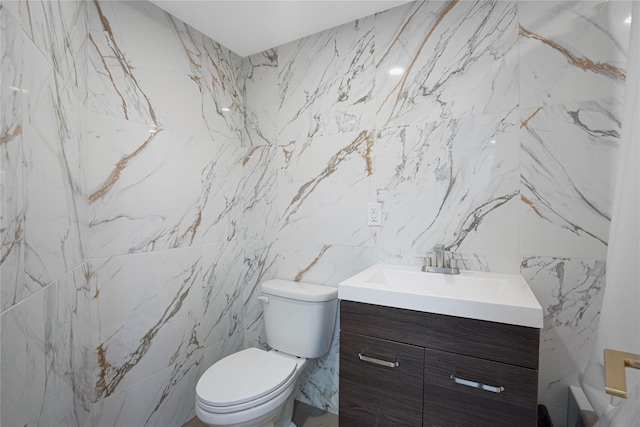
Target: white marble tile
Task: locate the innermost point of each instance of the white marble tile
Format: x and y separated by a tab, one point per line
328	265
39	334
255	338
143	78
183	311
165	398
155	326
568	155
570	292
77	325
320	380
261	262
324	188
175	99
42	206
260	190
444	48
144	187
261	98
51	138
220	204
324	81
222	283
220	350
138	27
14	405
12	42
115	51
453	182
588	62
58	30
222	93
36	384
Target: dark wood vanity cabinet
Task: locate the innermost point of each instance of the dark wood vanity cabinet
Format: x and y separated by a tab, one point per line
407	368
376	395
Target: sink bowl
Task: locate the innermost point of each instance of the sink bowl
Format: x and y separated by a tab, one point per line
503	298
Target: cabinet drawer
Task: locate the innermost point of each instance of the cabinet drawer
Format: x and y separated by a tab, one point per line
375	395
516	345
447	403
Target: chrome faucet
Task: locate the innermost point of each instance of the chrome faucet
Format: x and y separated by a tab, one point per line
439	251
442	266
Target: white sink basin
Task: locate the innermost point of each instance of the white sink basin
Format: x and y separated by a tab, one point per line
503	298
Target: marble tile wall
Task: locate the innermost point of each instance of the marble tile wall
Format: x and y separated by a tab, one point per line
44	226
141	215
43	203
122	253
499	140
164	185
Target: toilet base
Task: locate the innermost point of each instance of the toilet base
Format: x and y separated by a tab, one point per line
280	416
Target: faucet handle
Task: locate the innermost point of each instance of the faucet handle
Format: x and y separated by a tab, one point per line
438	248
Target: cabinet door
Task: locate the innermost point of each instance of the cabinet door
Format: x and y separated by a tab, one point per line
380	382
465	391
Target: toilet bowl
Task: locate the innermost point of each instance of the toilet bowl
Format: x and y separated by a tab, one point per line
254	387
251	388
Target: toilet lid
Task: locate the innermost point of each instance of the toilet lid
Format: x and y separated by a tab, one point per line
244	376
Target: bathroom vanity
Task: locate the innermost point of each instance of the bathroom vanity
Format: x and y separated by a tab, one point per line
410	364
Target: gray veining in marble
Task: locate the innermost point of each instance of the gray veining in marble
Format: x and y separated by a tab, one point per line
152	179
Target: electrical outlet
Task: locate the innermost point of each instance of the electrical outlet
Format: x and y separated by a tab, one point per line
374	214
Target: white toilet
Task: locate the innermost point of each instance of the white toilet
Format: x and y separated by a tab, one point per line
254	387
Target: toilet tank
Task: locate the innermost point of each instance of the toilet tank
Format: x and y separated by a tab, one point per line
299	317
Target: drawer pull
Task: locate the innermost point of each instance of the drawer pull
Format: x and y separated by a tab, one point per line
380	362
493	389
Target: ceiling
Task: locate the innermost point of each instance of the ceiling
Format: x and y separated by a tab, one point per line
251	26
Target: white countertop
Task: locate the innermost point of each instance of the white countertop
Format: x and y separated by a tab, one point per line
502	298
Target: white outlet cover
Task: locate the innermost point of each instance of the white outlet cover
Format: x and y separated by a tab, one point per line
374	214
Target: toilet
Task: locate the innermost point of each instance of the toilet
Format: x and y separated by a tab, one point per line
255	387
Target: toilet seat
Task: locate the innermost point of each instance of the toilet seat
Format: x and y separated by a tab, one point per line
245	379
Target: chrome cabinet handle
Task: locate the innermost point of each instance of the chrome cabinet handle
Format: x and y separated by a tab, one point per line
380	362
491	388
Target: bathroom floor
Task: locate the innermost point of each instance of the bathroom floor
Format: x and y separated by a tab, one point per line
303	416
